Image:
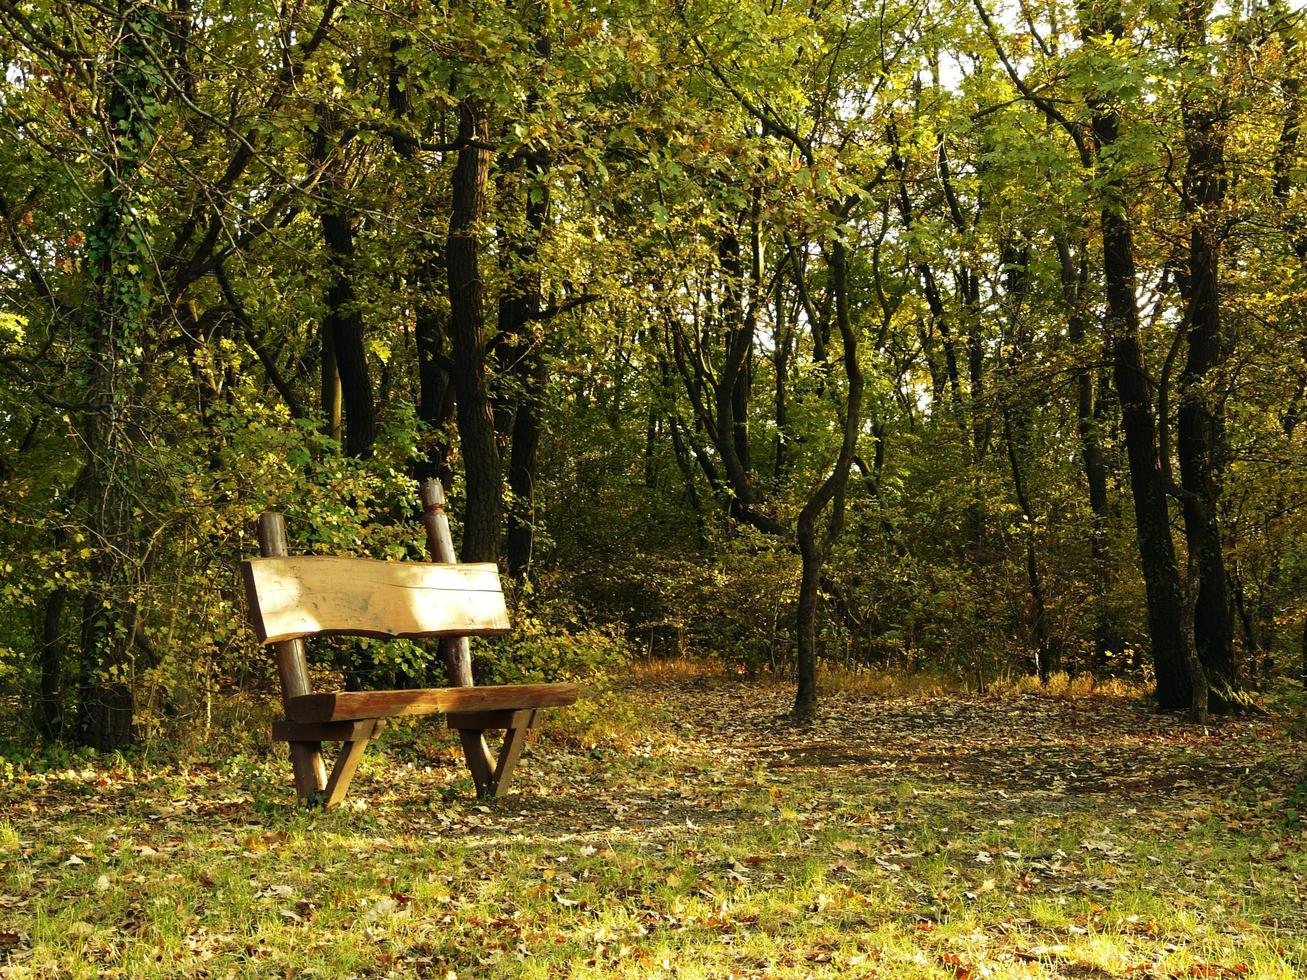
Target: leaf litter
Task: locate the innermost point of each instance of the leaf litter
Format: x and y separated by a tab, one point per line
940	836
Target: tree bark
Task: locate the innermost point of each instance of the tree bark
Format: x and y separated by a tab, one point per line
519	307
435	401
54	649
1046	654
781	380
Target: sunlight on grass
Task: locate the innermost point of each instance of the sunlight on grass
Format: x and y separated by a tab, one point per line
675	857
1067	687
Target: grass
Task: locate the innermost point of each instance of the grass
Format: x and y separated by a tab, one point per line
924	836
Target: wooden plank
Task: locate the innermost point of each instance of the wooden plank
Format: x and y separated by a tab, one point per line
306	596
293	670
330	731
455	650
349	705
347	763
482	720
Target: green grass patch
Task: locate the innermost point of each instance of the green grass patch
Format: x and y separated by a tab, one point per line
711	843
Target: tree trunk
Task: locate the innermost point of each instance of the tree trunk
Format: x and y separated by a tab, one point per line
781	372
329	387
54	649
805	696
117	318
342	326
435	401
522	472
1046	654
1162	591
814	548
476	424
732	396
1152	518
519	307
1200	435
1075	277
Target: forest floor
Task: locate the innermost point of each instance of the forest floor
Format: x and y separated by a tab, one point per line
933	836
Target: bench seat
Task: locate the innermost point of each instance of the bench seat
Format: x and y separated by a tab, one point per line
357	705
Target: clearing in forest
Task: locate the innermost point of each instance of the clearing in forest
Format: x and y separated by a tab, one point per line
939	836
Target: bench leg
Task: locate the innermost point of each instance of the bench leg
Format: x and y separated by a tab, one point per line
492	779
509	753
310	771
477	755
347	763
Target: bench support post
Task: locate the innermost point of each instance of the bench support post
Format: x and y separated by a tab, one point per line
492	780
293	669
342	774
456	649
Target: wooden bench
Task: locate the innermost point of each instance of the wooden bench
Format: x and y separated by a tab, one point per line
294	598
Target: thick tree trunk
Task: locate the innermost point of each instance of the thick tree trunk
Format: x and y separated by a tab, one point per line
1286	148
476	424
117	319
1162	589
1201	436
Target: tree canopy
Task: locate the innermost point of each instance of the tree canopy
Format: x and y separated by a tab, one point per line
960	336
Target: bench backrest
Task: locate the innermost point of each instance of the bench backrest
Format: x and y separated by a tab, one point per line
310	596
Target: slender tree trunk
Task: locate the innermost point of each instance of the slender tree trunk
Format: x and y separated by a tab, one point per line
342	326
1046	654
806	617
435	401
1302	676
781	371
814	547
54	650
435	394
522	469
1197	676
476	424
329	396
519	308
1075	276
732	396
